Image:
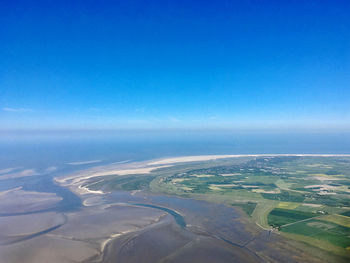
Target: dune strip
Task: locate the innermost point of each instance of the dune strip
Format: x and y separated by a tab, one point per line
198	158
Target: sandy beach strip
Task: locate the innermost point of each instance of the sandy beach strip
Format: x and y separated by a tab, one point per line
84	175
199	158
185	159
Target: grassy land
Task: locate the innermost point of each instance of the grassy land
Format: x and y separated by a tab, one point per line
347	213
338	219
326	231
279	216
248	207
281	191
261	211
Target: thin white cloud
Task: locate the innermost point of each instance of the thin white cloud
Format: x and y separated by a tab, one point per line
8	109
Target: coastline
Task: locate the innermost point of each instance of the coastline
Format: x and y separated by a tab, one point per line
75	182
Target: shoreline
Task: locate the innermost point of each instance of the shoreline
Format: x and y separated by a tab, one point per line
198	158
75	182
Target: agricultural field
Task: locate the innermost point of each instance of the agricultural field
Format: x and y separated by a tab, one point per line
303	198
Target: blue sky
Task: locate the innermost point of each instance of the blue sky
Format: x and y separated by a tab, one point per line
175	64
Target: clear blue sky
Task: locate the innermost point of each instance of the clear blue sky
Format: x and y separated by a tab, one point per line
166	64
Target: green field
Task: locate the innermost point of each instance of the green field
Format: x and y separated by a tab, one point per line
347	213
279	217
297	195
247	207
326	231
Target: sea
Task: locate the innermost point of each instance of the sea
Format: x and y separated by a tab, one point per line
47	149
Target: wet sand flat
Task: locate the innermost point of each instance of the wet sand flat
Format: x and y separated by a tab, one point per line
44	249
170	243
29	224
20	201
81	236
